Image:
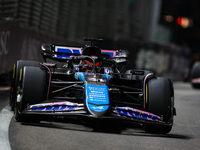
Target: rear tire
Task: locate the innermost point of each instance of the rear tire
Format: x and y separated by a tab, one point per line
195	73
34	90
160	101
15	84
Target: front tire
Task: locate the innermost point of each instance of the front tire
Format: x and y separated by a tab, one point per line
160	101
34	90
17	74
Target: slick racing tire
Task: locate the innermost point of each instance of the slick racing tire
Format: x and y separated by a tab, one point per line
15	86
195	73
34	90
160	101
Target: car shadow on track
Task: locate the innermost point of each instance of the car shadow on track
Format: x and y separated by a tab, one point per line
108	127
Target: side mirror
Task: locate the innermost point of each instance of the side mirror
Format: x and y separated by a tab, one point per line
123	53
46	47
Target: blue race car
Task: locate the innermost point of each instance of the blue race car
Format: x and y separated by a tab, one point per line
91	83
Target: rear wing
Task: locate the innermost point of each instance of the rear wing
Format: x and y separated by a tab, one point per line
63	53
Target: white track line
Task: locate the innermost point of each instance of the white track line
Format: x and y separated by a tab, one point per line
4	88
5	118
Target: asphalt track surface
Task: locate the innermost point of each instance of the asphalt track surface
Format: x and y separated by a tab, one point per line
69	135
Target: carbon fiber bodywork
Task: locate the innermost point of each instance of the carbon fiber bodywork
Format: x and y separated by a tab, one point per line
92	83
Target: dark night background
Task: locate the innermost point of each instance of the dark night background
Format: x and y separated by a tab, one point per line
148	28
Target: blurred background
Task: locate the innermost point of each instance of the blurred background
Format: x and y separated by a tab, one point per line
161	35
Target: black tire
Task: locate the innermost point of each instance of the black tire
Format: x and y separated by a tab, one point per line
15	84
160	101
34	90
195	73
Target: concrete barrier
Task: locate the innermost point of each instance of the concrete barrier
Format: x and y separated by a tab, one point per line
21	43
166	60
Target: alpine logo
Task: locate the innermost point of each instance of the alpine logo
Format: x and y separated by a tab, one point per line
99	107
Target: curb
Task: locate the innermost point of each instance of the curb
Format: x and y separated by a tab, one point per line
5	88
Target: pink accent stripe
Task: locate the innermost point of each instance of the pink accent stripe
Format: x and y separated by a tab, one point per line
70	48
56	103
196	80
144	91
110	51
137	110
49	79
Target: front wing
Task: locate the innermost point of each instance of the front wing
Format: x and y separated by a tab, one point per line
66	108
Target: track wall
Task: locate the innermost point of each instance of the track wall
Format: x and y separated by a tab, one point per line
17	42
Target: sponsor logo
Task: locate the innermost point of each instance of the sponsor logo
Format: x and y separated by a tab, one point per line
99	107
69	50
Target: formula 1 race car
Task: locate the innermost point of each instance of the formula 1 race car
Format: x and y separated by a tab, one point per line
91	83
195	75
